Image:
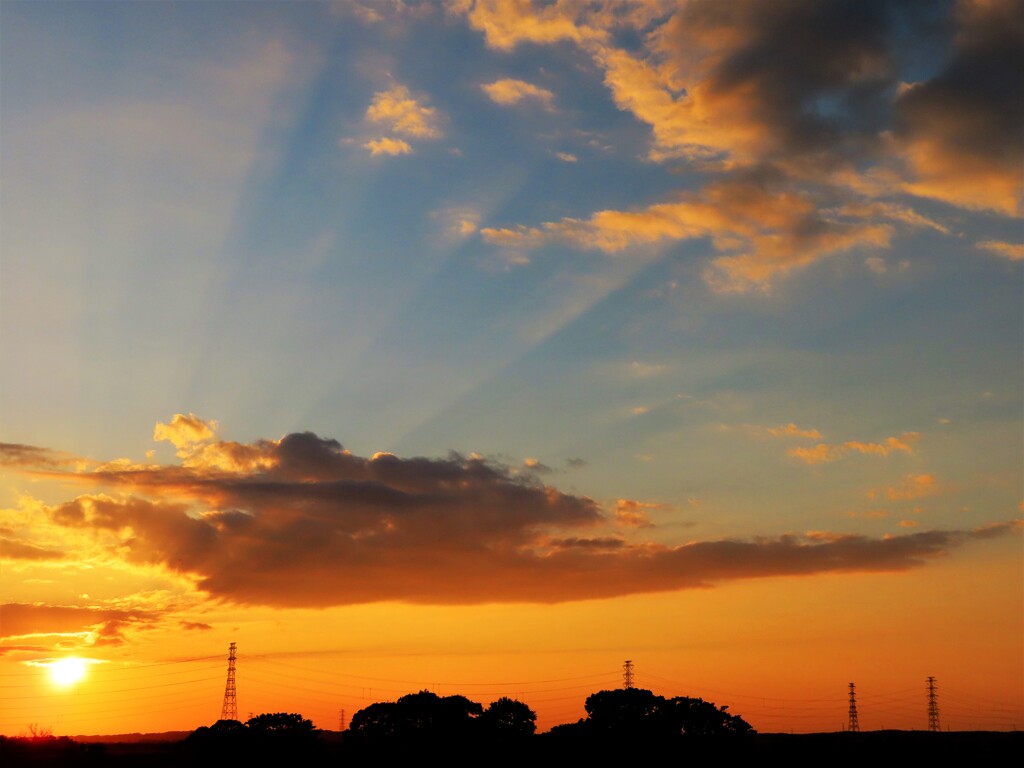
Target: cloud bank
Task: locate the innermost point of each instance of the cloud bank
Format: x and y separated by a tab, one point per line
300	521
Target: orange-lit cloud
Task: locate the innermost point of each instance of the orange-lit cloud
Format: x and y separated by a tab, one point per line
16	549
960	131
17	455
912	487
792	430
807	92
763	230
99	624
314	525
826	452
388	146
509	91
507	23
1011	251
183	431
396	110
632	513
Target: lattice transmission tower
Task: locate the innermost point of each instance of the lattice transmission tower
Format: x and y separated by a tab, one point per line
933	706
229	711
854	725
627	674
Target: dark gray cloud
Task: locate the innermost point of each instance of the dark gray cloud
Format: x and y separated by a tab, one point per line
963	130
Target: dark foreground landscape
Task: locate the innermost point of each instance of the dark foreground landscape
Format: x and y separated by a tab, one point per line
332	748
633	725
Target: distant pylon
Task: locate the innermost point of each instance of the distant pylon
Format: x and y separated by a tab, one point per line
627	674
933	706
229	711
854	725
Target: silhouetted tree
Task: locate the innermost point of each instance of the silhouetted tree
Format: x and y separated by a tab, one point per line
280	722
622	710
696	717
416	721
508	719
636	711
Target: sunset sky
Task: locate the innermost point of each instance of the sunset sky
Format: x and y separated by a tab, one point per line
479	346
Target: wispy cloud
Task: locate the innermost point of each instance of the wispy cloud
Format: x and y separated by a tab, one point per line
828	452
910	488
1011	251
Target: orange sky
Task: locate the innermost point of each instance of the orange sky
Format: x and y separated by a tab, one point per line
481	345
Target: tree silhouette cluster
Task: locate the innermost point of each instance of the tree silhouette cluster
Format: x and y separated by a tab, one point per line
634	725
274	733
636	711
424	721
462	730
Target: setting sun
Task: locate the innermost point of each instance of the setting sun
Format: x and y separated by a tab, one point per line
68	671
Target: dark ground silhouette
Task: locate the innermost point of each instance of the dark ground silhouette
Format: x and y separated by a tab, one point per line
631	725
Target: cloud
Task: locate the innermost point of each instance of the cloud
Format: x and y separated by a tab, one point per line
566	157
509	91
825	452
876	264
912	487
397	111
312	524
763	227
386	146
184	431
27	620
535	465
19	455
812	95
1011	251
14	549
632	513
507	23
194	625
459	222
960	131
792	430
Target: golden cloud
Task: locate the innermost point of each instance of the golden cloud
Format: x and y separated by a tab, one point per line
509	91
912	487
388	146
399	112
184	431
792	430
1011	251
825	452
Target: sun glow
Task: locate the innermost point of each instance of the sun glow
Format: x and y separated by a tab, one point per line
67	672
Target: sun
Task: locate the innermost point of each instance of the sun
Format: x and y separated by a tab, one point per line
67	672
